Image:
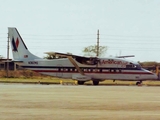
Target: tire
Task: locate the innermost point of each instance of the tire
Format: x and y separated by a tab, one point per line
80	82
137	83
95	82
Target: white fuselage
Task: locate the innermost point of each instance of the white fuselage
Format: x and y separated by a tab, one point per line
107	68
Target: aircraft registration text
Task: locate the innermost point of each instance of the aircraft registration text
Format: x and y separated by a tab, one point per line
33	62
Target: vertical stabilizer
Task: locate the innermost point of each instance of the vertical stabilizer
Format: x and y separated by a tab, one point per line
19	49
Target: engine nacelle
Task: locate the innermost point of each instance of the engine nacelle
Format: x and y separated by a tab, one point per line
80	77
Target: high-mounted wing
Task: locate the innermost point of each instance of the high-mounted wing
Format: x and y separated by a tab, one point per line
125	56
81	59
62	54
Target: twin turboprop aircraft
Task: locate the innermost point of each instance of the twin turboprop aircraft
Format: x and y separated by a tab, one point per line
78	68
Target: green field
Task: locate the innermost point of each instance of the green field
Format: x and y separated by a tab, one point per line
52	80
30	77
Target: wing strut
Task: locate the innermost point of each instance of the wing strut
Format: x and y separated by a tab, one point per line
75	65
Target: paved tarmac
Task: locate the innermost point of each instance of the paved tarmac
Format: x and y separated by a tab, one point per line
73	102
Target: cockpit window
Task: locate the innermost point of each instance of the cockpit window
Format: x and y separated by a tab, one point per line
135	66
138	66
129	66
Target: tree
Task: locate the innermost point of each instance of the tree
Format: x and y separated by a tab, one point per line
92	50
149	63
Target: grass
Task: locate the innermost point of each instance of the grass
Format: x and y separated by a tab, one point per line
53	80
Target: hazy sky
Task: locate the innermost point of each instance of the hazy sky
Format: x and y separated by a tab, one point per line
127	27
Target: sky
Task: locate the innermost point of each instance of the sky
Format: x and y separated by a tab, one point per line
126	27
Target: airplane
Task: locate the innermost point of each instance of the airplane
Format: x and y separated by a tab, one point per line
77	67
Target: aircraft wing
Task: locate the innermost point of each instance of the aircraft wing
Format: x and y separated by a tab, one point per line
125	56
65	55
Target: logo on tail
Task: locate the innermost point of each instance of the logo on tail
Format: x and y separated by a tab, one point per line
15	44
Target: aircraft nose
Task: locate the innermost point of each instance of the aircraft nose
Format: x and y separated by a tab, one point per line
158	76
155	76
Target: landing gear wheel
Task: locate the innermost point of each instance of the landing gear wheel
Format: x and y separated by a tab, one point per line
80	82
139	83
95	82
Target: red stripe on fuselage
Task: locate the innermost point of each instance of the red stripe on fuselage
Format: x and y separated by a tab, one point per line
56	71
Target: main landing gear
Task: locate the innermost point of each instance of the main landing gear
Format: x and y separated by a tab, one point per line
139	83
80	82
95	82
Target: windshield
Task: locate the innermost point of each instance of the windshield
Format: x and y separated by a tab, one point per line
135	66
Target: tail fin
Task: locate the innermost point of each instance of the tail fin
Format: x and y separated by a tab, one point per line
19	49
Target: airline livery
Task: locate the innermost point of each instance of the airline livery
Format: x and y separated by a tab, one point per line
76	67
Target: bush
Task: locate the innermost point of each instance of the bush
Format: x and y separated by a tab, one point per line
20	74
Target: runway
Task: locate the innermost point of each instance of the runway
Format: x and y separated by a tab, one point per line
69	102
